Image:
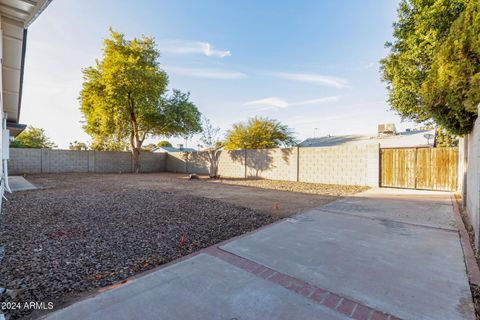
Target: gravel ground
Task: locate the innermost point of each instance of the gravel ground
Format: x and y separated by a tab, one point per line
293	186
83	233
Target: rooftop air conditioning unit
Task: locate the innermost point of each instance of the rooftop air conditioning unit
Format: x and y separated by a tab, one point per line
386	128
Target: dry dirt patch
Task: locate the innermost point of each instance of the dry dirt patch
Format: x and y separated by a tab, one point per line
279	198
295	186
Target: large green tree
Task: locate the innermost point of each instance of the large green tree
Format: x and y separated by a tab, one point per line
425	28
33	138
104	142
452	87
259	133
124	98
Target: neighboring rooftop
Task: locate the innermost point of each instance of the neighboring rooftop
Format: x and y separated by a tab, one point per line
173	149
421	138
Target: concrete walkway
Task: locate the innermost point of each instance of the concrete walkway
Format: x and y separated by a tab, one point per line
383	254
19	183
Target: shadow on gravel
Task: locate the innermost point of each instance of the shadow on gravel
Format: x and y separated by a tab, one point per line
73	237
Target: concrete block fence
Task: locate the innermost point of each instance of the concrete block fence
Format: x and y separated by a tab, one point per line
51	161
352	165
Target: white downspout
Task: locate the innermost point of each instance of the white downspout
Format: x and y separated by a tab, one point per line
5	155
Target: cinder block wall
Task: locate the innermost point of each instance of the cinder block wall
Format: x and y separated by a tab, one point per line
50	161
275	164
469	181
25	161
348	165
198	162
153	161
372	178
177	162
356	165
110	161
64	161
232	164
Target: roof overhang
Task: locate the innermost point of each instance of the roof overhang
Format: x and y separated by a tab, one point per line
23	11
15	17
15	128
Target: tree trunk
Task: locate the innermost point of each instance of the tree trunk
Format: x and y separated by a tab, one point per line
136	159
213	170
135	140
213	155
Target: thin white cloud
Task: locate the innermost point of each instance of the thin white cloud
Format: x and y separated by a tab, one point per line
317	79
207	73
275	102
191	47
270	102
316	101
369	65
303	120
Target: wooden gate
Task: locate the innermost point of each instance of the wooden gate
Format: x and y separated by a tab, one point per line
419	168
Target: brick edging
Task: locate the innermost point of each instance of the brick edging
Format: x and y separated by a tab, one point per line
471	264
343	305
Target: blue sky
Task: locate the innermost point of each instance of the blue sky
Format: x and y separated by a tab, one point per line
309	64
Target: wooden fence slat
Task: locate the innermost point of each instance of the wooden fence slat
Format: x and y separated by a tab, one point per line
419	168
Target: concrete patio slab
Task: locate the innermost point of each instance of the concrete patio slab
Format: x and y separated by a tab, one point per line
427	208
19	183
202	287
410	271
381	253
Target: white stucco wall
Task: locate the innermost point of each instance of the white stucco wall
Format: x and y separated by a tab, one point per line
471	185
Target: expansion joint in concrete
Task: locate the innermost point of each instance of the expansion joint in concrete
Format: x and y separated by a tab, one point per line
343	305
382	219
